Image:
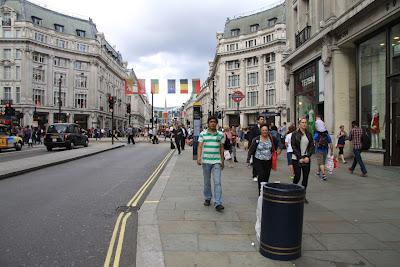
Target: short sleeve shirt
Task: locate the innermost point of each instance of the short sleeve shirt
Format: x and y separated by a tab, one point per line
211	146
288	140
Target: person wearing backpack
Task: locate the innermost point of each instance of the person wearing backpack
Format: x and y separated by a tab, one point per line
355	136
323	143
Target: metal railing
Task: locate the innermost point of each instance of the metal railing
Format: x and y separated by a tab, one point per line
303	36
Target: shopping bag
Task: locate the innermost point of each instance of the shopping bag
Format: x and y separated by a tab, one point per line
335	163
245	144
274	160
227	155
259	213
30	141
172	145
329	165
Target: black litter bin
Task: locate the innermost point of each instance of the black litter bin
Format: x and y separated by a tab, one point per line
282	221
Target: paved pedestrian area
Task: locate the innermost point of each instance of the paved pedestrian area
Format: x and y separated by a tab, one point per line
18	166
350	220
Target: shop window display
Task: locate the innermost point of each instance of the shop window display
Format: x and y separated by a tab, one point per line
372	84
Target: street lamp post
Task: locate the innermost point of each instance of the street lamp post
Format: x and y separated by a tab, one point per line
213	97
59	98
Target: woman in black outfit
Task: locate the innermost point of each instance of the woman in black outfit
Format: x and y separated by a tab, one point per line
303	147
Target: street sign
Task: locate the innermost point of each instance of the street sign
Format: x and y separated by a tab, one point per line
237	96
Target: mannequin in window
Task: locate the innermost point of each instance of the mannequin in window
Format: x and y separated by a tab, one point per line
375	130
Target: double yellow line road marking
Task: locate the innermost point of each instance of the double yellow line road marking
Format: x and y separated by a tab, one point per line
123	217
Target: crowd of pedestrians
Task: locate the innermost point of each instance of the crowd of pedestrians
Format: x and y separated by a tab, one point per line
264	143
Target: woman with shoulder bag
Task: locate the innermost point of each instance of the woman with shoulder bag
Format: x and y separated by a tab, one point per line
341	142
303	147
228	146
264	152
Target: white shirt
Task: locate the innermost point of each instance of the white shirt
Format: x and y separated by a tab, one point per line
288	140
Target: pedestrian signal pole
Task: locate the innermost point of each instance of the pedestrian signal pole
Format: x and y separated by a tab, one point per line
111	101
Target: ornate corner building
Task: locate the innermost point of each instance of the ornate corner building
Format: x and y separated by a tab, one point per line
248	60
45	54
343	62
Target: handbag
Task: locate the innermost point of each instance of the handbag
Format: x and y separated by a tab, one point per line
274	155
227	155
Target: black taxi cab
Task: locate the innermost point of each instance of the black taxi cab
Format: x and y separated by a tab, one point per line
66	135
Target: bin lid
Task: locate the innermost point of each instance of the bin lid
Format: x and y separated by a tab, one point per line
284	188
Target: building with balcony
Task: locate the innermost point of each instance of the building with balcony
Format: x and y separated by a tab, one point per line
50	59
343	62
248	57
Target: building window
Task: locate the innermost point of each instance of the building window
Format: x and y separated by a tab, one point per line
7	34
80	100
60	62
252	99
59	28
17	95
62	43
232	47
82	48
56	100
233	64
270	57
233	81
81	81
252	61
39	58
7	73
7	53
372	75
18	34
17	72
395	51
80	65
37	21
80	33
38	97
271	22
6	21
270	95
18	53
7	93
251	43
57	76
38	75
252	78
40	37
254	27
235	32
270	76
268	38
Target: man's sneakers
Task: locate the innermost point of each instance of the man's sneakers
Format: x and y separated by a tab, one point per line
207	202
350	170
219	207
364	175
255	179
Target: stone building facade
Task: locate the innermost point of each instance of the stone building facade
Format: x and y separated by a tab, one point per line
344	62
41	49
248	57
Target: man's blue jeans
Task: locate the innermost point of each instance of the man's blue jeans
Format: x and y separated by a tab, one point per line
215	169
358	159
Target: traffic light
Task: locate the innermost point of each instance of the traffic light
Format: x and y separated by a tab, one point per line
111	102
128	108
8	110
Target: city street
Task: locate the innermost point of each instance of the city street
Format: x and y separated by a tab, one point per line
65	215
26	152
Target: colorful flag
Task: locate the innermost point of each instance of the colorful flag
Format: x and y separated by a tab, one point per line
155	88
184	86
196	86
141	86
171	87
129	87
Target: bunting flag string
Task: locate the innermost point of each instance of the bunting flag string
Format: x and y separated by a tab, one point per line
155	88
141	86
128	86
196	86
184	86
171	87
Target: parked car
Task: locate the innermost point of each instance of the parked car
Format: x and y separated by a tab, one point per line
9	141
66	135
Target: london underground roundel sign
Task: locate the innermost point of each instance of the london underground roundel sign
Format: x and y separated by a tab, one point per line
237	96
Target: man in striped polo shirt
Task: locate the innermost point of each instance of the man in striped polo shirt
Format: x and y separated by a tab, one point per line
210	154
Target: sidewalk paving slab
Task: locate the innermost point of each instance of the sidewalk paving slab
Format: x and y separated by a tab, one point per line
350	220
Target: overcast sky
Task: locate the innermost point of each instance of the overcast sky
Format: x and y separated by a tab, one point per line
162	39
